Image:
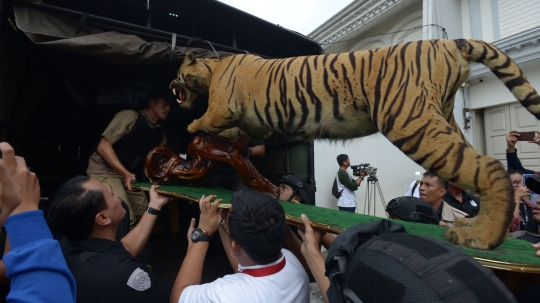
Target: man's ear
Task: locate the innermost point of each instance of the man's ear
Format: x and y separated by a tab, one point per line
235	248
102	219
443	191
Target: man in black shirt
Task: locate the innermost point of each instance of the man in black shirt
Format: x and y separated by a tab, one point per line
458	198
87	213
226	176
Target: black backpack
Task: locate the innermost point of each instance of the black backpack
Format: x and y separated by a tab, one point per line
335	192
380	262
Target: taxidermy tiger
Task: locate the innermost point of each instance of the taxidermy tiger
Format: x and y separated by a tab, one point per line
405	91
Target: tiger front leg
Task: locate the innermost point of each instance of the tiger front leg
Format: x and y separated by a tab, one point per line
434	145
232	133
206	126
215	120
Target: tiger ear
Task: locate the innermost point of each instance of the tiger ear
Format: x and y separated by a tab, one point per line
189	59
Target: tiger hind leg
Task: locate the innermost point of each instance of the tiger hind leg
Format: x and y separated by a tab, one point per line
465	222
460	222
437	148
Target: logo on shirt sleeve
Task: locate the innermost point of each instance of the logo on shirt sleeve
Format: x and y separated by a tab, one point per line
139	280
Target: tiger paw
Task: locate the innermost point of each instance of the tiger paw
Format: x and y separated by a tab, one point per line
194	127
465	222
468	237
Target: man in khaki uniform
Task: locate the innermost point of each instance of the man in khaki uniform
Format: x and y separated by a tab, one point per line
432	191
118	159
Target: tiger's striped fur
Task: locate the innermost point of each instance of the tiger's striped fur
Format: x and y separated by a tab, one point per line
405	91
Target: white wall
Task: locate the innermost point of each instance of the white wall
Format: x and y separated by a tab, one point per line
445	13
484	20
466	19
492	91
395	170
449	14
489	19
517	16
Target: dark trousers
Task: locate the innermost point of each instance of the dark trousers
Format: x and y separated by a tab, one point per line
349	209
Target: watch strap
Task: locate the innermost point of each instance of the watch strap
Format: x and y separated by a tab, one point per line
205	232
152	211
203	235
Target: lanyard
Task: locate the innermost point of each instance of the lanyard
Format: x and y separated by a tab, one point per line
524	215
265	271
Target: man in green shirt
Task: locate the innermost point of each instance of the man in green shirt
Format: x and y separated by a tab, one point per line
347	185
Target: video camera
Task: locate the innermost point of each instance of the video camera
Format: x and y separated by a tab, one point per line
364	167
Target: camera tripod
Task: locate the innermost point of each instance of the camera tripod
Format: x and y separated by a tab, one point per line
371	189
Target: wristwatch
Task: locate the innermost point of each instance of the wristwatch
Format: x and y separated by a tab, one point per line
199	234
361	178
152	211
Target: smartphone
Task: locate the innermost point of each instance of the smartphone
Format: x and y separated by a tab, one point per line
526	136
525	176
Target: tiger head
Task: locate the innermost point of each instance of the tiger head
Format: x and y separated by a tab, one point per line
192	80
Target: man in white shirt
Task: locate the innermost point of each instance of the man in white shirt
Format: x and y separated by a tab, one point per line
414	189
347	185
252	234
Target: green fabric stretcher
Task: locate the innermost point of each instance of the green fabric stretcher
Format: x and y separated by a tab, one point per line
513	254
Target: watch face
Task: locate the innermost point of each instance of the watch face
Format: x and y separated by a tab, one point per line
195	235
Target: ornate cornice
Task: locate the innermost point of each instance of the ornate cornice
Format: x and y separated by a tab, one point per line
351	18
523	48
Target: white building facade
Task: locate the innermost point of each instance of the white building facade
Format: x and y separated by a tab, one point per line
484	108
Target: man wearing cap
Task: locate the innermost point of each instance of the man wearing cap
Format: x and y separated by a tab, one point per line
412	209
294	189
118	158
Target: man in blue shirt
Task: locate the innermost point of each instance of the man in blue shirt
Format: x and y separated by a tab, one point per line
35	264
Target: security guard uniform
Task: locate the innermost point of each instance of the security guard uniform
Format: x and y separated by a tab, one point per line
106	272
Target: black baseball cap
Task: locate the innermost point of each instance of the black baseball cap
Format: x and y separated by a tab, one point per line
412	209
299	186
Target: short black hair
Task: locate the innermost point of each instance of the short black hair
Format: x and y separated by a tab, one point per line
71	209
514	171
160	92
341	158
257	223
441	181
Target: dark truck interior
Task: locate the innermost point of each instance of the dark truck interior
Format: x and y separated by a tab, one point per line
55	103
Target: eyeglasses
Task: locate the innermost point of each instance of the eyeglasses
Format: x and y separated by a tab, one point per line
221	225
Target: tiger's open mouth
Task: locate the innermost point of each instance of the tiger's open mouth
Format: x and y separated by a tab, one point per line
180	94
